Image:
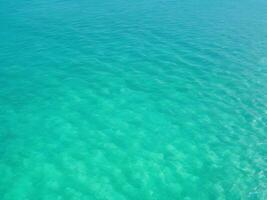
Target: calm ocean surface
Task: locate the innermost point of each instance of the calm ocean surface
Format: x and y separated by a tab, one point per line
133	100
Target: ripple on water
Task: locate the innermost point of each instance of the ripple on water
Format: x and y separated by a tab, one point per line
133	100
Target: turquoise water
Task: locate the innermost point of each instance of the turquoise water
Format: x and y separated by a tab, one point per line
133	100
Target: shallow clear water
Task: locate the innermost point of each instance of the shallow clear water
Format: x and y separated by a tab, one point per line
133	99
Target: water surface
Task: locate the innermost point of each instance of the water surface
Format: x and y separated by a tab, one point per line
129	100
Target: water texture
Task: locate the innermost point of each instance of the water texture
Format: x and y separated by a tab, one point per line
133	100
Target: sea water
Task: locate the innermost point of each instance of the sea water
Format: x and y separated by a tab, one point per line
133	100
